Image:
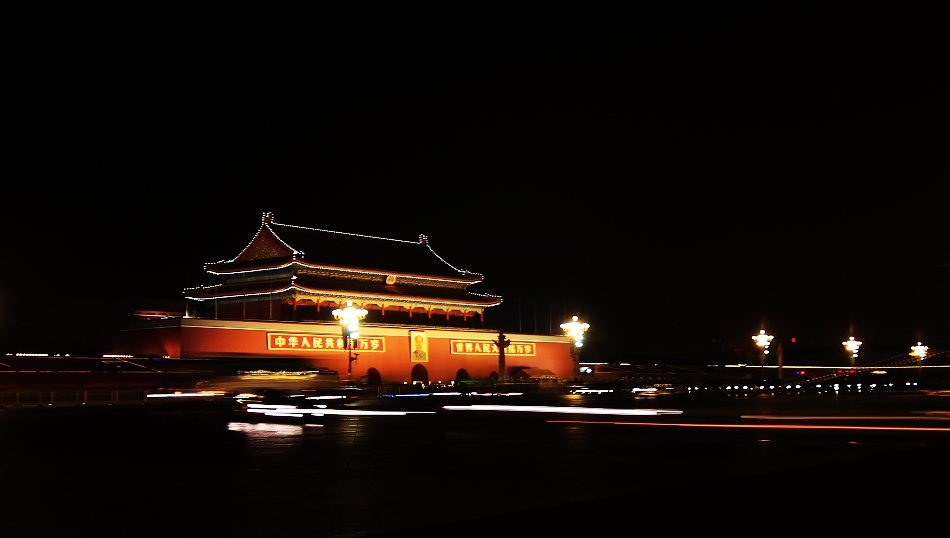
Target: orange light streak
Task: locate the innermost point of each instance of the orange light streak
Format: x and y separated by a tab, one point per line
818	417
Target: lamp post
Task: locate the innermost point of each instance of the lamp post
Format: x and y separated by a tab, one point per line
852	346
575	330
349	318
763	340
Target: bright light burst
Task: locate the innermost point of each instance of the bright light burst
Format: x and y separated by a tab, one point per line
763	340
919	351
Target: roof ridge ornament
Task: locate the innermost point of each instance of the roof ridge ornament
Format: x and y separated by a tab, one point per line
267	218
423	239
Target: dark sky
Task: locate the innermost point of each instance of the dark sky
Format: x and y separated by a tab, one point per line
679	176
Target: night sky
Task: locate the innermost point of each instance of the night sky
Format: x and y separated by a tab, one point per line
680	177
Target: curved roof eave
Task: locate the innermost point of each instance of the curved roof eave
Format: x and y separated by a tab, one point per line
423	240
490	300
476	278
342	293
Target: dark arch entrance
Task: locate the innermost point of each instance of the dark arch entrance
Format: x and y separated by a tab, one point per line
462	375
493	377
419	373
373	377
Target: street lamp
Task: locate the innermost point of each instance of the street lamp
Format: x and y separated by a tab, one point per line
349	318
852	346
919	351
763	340
575	330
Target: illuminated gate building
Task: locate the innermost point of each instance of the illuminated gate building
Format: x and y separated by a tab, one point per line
275	300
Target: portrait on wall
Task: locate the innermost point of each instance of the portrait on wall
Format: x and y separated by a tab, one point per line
419	345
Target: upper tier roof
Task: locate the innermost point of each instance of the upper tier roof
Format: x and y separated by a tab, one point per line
325	248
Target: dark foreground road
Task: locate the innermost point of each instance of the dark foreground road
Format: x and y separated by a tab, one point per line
211	468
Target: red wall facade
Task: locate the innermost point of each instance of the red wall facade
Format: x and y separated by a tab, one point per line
446	350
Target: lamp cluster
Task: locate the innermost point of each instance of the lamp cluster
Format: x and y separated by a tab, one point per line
763	340
350	318
919	351
852	346
575	329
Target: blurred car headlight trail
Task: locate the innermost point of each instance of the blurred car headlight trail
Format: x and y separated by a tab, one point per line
265	429
760	426
566	409
321	410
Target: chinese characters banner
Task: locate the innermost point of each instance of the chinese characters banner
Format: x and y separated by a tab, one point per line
467	347
309	342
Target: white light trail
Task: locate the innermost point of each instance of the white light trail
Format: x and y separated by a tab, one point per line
563	410
319	411
265	429
759	426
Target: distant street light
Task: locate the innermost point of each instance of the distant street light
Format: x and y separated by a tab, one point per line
919	351
852	346
349	318
763	340
575	330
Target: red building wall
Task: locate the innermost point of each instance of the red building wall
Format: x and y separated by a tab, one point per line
446	350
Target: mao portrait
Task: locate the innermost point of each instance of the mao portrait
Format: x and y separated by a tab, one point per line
419	347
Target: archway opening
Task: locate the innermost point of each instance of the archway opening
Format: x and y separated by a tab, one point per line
373	377
462	375
420	374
